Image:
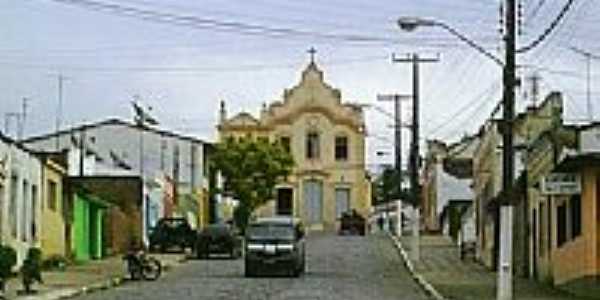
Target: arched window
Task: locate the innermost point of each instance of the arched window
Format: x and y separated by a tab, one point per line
312	145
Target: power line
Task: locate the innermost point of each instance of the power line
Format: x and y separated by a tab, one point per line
535	11
209	23
251	67
463	109
548	30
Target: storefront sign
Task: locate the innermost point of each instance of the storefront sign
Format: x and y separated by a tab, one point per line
561	184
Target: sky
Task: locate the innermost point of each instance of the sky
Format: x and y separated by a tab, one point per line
183	57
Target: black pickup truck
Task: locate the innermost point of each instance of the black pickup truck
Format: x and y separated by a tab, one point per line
172	233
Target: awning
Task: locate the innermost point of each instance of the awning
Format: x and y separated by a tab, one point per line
574	163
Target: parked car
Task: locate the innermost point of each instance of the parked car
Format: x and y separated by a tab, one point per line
218	239
352	223
172	232
275	246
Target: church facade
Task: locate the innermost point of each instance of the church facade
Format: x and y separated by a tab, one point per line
327	140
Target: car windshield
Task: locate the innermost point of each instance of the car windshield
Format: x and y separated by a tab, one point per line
216	229
173	222
271	231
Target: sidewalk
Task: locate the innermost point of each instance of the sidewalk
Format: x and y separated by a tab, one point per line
85	278
452	278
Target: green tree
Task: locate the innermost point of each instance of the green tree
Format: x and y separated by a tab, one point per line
387	186
31	271
8	259
251	169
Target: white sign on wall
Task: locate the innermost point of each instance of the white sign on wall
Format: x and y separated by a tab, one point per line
561	184
590	140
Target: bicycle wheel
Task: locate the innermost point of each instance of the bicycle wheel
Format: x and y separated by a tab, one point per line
152	269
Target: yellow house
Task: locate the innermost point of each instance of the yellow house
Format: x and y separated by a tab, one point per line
487	182
53	221
327	140
574	232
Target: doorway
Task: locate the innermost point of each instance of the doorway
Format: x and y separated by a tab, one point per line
313	201
285	202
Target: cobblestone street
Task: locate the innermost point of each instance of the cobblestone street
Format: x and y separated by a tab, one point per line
348	268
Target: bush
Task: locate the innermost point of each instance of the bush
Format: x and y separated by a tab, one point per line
31	271
8	259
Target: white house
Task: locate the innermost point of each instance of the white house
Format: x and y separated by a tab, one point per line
20	197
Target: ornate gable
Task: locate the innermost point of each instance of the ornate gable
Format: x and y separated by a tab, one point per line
313	95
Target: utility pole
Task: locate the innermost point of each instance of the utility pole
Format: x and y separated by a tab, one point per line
414	153
504	290
396	98
59	109
535	79
588	56
23	117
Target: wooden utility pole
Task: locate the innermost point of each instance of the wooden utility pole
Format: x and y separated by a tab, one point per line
397	142
414	153
504	290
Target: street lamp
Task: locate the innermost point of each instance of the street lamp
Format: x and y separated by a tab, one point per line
504	288
412	23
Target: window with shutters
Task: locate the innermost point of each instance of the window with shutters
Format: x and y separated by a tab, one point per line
52	195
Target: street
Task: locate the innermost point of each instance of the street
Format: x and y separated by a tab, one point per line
345	268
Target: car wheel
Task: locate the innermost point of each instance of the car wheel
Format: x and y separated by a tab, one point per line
233	254
249	271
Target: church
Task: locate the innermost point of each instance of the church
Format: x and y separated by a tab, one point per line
327	140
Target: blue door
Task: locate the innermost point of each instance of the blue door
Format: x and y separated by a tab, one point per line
313	201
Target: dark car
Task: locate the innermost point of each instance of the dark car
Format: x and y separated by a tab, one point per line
218	239
275	246
352	223
170	233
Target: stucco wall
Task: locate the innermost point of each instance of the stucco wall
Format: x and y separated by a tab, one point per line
579	257
18	205
53	222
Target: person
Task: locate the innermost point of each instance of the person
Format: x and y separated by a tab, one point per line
134	256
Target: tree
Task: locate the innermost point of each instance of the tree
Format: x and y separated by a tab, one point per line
251	169
8	259
31	271
387	186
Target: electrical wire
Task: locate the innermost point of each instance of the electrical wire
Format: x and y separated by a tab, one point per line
244	68
548	30
209	23
463	109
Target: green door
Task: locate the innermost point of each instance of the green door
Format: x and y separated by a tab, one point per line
88	228
95	231
81	225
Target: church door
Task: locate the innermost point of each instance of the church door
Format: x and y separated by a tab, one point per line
313	201
342	201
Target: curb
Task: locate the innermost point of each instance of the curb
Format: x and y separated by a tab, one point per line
94	287
421	281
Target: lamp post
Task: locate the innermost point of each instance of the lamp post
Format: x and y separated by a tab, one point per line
412	23
504	290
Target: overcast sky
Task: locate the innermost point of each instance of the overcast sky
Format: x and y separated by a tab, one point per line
182	57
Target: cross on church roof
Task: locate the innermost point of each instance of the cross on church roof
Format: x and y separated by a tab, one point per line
312	51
